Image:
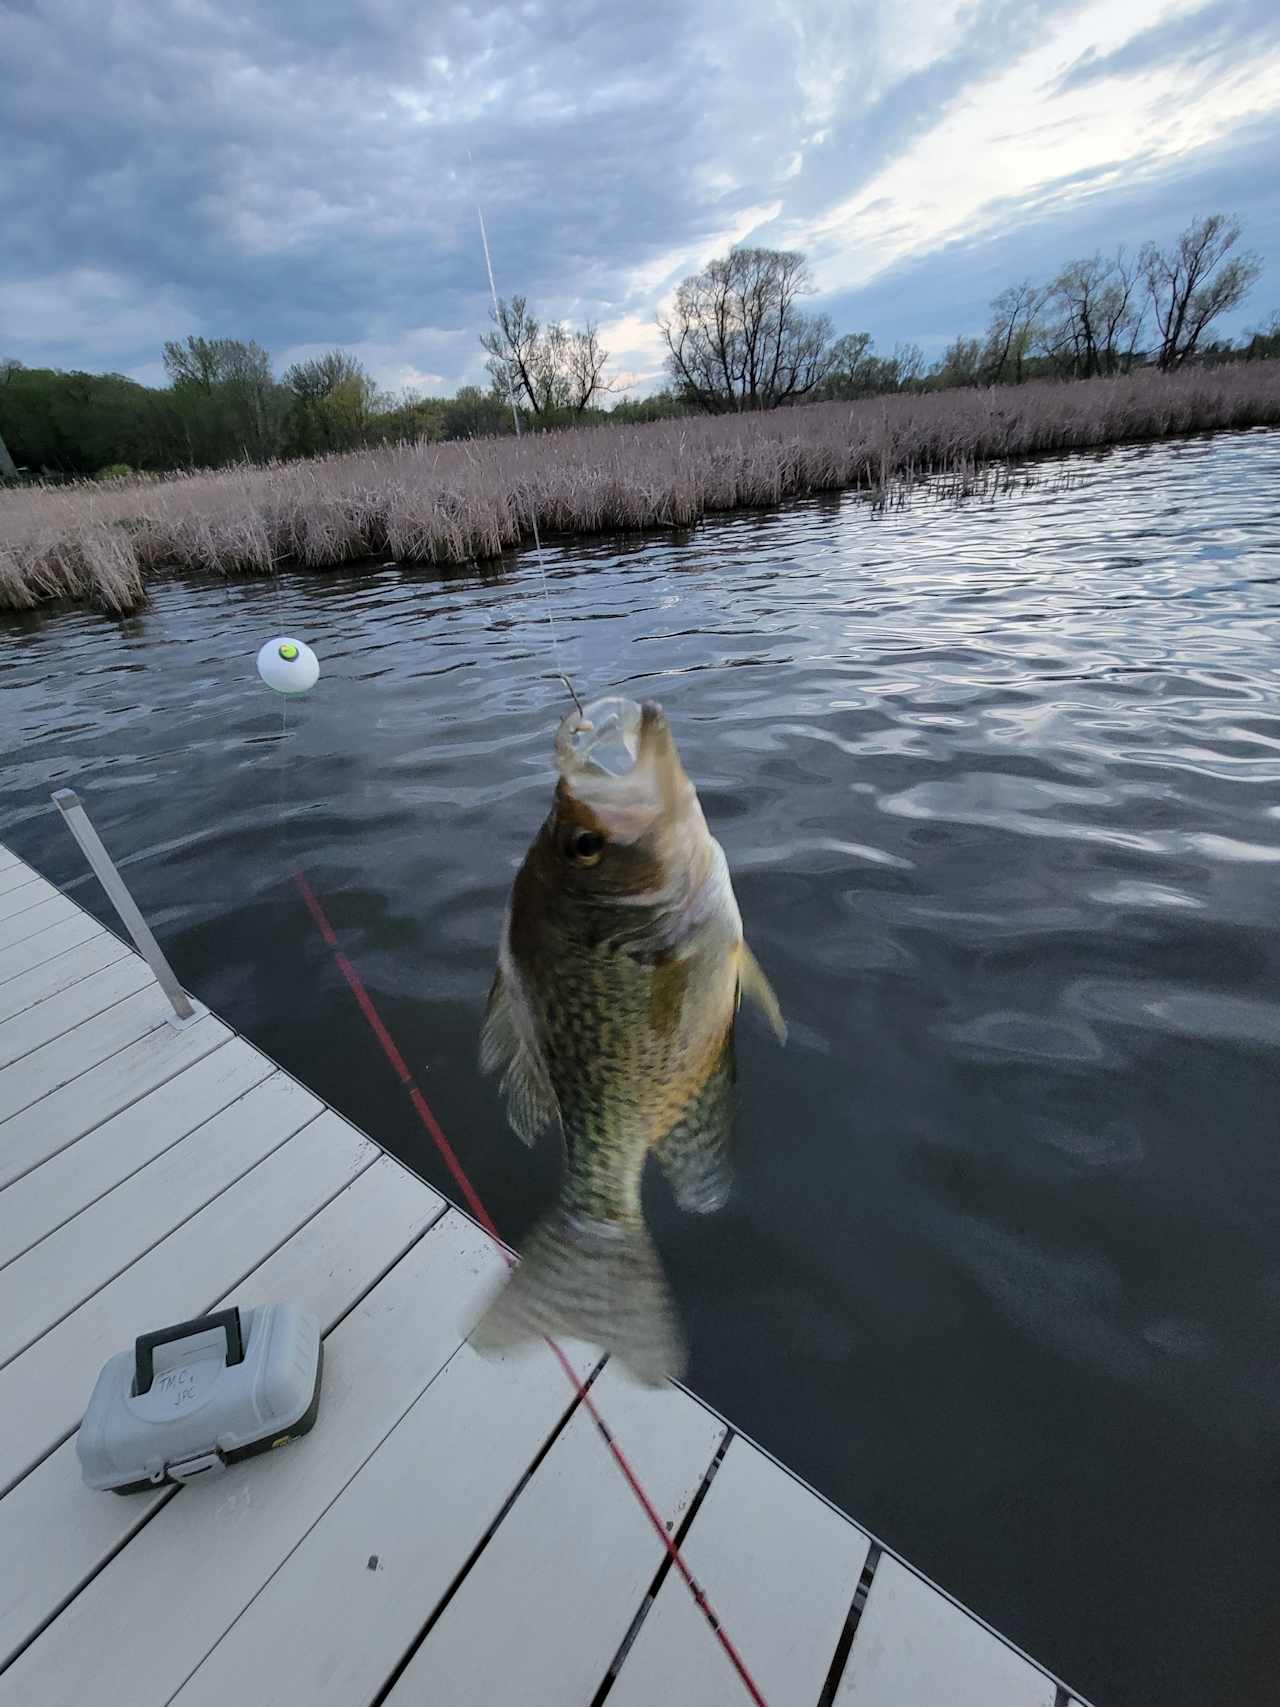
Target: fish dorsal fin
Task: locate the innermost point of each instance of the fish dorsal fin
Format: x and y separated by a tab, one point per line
753	983
508	1041
695	1153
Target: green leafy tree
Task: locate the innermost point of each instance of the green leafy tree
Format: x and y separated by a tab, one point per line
1264	342
476	414
333	401
960	364
74	423
227	404
8	468
659	406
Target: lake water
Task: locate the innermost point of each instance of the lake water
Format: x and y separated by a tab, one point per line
1000	787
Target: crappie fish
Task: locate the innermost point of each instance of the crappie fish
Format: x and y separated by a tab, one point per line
612	1012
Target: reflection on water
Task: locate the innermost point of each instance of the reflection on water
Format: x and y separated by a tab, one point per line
1000	785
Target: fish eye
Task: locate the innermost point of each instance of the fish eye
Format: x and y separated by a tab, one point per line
585	846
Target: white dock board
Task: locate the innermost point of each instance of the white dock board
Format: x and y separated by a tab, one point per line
66	1057
377	1361
56	1119
14	876
463	1448
76	1176
51	1279
64	1532
124	1203
41	982
48	944
30	921
915	1648
44	1391
780	1569
543	1611
7	858
28	1031
26	896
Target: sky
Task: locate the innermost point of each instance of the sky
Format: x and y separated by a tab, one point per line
307	172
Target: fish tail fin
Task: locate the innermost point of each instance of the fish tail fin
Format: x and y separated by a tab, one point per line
592	1280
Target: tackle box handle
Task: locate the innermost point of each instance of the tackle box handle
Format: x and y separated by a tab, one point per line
144	1364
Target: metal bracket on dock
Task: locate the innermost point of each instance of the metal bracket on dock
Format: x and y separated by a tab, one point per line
185	1011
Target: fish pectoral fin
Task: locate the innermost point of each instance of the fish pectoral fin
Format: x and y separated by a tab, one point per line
695	1153
752	982
531	1101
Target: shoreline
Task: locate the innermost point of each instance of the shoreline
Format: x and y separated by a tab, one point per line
473	500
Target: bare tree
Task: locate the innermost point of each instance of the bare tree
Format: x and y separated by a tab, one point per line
853	371
1094	314
549	369
736	337
584	364
1121	313
1194	282
1013	319
514	346
908	365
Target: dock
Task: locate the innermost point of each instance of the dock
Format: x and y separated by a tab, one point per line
454	1531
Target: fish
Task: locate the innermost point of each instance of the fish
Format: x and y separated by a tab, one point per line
611	1015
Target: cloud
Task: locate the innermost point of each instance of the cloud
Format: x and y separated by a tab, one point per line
946	289
1226	30
306	172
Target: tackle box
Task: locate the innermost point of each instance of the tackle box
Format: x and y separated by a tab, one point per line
190	1399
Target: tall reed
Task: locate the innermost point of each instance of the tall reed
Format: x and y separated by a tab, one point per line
450	503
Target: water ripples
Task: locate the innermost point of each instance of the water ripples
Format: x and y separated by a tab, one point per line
1000	783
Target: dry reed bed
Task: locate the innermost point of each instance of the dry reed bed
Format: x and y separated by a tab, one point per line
455	502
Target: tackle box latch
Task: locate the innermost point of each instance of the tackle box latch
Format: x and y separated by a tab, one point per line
197	1469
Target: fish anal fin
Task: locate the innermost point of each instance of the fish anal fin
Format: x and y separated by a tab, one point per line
753	983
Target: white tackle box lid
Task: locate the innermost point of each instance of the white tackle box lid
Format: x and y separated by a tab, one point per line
192	1398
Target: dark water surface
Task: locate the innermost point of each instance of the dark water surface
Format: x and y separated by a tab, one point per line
1000	787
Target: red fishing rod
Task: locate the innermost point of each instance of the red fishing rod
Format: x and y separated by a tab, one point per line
472	1199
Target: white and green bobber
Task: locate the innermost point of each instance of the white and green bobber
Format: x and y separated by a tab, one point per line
287	665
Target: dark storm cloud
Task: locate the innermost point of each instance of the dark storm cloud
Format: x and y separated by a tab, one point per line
308	174
305	172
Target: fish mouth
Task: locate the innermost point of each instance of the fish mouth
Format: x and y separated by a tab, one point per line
618	759
605	739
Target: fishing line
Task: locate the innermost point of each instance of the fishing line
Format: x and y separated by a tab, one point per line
284	714
474	1203
515	417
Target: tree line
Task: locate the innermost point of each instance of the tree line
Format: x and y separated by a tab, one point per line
738	337
223	404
